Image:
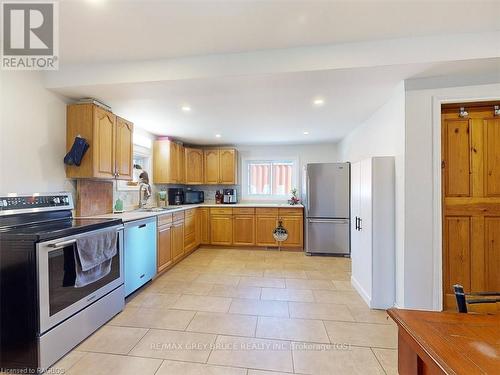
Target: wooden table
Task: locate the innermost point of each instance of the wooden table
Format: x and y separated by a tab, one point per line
447	343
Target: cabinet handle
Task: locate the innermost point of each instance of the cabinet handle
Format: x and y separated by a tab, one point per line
142	276
142	226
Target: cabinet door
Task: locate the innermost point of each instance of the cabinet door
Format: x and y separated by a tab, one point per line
124	149
265	226
181	176
204	226
227	168
164	246
174	162
295	227
189	230
221	228
193	166
177	240
161	162
104	143
244	230
211	164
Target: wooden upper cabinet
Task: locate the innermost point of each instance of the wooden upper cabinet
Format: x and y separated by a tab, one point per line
492	156
220	166
456	155
228	166
168	162
124	149
110	142
193	166
211	166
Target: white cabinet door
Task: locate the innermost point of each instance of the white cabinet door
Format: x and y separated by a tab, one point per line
355	215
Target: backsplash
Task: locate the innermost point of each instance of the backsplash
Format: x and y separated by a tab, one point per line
208	190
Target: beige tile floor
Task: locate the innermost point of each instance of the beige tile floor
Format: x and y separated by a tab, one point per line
243	312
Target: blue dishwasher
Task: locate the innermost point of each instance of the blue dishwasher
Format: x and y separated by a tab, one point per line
139	253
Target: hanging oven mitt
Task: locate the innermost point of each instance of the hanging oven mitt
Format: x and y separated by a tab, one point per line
75	155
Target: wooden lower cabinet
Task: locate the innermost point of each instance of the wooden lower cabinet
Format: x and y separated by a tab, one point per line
177	240
164	256
204	216
295	227
189	230
221	230
244	230
265	226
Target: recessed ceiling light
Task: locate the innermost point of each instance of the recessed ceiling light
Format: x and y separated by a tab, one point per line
318	102
218	136
306	133
186	108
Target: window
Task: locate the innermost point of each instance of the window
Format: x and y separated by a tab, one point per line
141	160
269	178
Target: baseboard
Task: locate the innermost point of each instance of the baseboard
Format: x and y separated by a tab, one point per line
356	285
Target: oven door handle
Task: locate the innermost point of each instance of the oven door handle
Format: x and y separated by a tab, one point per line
63	243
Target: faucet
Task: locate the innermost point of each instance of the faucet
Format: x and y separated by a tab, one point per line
144	189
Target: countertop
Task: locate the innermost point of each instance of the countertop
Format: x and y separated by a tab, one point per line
127	216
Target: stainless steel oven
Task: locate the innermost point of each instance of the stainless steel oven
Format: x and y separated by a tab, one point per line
58	296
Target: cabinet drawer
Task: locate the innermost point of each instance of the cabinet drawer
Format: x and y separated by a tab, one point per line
290	212
189	213
221	211
164	219
267	211
178	216
243	211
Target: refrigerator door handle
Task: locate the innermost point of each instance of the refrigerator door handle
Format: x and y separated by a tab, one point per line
336	221
308	180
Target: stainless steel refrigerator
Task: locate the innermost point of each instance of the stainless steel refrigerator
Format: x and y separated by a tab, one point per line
326	198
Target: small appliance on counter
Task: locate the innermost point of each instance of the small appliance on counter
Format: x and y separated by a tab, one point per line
218	197
175	196
229	196
194	196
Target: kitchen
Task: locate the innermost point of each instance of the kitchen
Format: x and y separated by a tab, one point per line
256	198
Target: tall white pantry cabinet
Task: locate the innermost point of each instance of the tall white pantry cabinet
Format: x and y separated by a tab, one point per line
373	230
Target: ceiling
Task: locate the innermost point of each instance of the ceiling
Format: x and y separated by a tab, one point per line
93	31
256	107
265	109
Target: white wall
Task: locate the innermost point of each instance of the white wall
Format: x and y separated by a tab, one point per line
422	259
383	134
312	153
32	135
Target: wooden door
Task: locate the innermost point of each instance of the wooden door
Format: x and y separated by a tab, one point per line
204	226
104	143
164	247
174	162
194	166
221	229
295	226
211	166
471	199
265	226
177	240
227	168
244	230
162	155
124	149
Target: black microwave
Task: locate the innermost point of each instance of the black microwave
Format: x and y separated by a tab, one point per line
194	196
